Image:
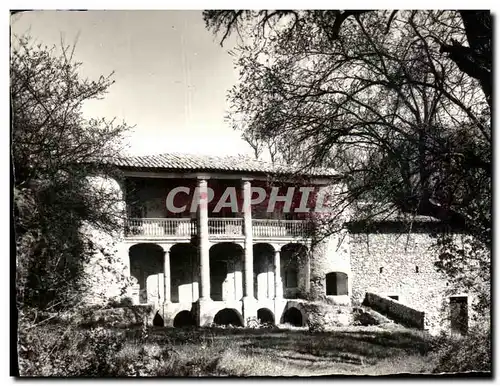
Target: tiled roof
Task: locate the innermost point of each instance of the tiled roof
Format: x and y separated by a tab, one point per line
196	162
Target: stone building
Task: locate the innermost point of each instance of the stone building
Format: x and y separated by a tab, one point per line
206	259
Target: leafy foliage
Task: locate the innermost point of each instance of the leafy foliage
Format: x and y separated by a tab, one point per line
380	96
464	354
55	152
467	264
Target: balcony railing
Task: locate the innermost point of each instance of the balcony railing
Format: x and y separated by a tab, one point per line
225	226
217	227
280	228
160	227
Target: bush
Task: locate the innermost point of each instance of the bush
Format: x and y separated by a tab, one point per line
66	351
54	351
120	302
119	316
143	360
325	317
254	322
462	354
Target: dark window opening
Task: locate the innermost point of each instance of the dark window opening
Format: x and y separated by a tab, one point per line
416	268
336	283
292	316
381	269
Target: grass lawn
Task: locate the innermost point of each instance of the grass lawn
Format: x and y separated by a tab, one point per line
294	352
67	350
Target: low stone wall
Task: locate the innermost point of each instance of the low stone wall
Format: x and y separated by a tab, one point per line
366	316
395	310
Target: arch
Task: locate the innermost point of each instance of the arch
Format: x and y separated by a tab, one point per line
225	261
293	316
151	247
228	316
337	283
158	320
184	319
263	270
183	273
263	247
146	266
298	247
221	248
265	315
293	257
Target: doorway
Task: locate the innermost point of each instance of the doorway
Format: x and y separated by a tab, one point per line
459	315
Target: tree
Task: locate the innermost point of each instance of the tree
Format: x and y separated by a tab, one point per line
474	60
395	101
269	146
55	153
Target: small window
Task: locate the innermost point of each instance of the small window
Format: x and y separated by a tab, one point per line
416	269
336	283
381	269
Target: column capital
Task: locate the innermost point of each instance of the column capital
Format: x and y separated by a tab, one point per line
246	179
202	177
166	247
277	247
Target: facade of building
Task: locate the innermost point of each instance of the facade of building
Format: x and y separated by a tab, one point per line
200	253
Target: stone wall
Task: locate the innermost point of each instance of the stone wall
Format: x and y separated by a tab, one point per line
326	317
392	261
395	310
105	274
106	270
330	255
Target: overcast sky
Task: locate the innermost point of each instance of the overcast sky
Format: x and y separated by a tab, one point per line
171	74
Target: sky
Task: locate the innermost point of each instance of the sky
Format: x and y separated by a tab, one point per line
171	74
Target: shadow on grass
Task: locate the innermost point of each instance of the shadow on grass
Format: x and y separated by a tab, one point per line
354	347
343	346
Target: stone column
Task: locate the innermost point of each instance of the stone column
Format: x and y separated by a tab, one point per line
247	231
308	271
204	244
278	287
249	301
166	275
